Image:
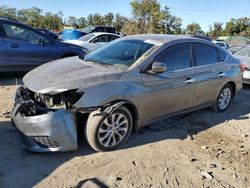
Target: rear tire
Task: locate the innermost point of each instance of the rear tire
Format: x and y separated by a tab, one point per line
224	99
108	132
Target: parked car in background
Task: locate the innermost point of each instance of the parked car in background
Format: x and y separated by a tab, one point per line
222	44
70	34
23	47
95	29
235	48
49	33
243	54
92	41
126	84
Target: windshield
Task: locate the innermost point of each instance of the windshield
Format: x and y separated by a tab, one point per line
220	44
235	49
244	52
88	29
123	52
86	37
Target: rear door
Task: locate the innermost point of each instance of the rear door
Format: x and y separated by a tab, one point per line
210	72
173	90
3	51
24	47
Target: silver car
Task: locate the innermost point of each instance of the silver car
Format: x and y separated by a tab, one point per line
93	41
122	86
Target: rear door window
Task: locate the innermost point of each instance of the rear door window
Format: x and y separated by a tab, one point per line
102	38
204	54
244	52
175	57
113	37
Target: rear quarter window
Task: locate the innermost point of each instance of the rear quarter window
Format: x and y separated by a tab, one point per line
221	55
205	54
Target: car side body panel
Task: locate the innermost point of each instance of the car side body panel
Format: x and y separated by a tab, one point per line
154	95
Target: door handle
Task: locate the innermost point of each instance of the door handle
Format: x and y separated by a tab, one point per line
13	45
222	74
189	80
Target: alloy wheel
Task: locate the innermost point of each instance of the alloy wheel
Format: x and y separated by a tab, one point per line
224	98
113	130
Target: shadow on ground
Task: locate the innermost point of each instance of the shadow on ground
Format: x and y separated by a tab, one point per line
8	79
22	169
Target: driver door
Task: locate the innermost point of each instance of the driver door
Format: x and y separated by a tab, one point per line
172	91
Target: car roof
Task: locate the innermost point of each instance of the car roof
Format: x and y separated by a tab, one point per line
95	26
8	19
104	33
162	37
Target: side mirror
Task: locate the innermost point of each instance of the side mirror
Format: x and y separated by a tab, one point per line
41	41
158	67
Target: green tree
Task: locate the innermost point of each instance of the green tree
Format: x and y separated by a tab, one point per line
119	22
237	26
8	12
52	21
193	29
147	14
95	19
72	21
170	24
151	19
216	30
108	19
82	22
130	28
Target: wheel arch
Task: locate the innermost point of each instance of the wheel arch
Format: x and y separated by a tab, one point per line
132	109
233	85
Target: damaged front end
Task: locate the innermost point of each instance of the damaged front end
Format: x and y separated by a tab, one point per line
46	122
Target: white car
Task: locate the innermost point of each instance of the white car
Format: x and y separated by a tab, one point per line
92	41
243	54
222	44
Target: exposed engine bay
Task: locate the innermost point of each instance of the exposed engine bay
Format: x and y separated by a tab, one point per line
37	104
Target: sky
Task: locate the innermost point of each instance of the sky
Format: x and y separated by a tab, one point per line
204	12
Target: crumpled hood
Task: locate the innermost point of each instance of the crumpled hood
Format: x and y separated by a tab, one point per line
69	73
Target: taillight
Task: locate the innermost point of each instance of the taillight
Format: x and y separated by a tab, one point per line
242	67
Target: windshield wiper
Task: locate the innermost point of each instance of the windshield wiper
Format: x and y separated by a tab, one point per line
97	61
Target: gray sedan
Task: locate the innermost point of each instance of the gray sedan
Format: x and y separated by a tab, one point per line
122	86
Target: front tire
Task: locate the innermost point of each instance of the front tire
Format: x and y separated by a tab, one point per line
108	132
224	99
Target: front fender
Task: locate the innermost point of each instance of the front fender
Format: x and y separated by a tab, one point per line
101	94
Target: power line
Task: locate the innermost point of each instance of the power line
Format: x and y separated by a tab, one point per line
210	10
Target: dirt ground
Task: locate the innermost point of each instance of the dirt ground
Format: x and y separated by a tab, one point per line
202	149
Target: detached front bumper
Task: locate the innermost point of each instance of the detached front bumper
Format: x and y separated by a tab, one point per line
46	132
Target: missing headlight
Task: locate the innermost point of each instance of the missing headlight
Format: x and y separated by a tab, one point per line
61	100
